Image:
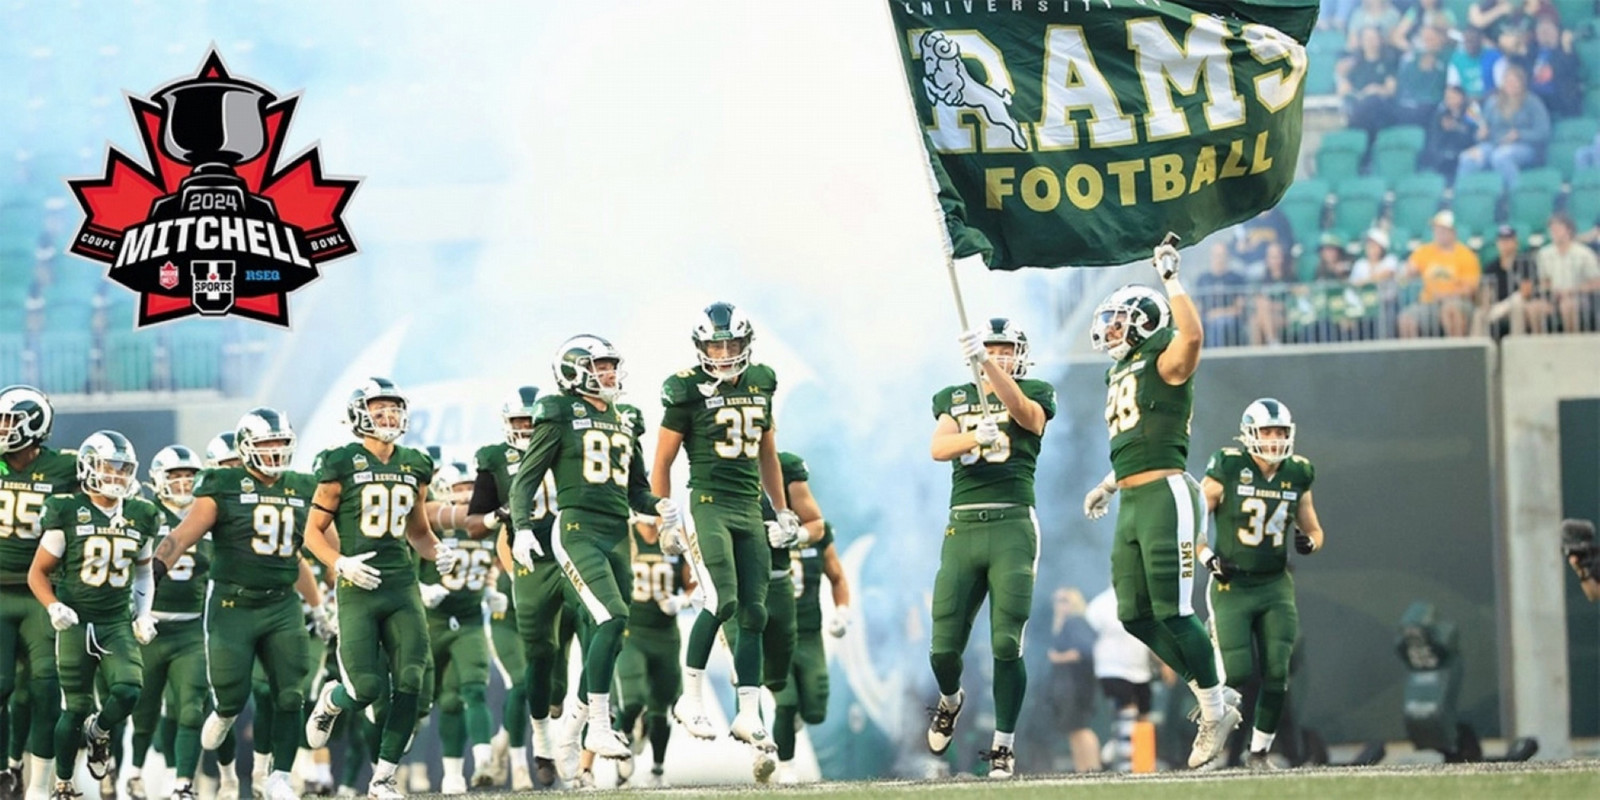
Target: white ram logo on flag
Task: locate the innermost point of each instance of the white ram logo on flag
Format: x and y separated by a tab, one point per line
947	82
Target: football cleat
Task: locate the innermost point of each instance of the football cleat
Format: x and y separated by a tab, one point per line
98	750
108	785
692	716
657	779
544	772
319	725
184	791
1002	762
65	790
1259	761
1212	737
453	784
277	787
942	727
136	788
386	789
606	743
11	783
765	765
228	783
748	728
522	780
786	774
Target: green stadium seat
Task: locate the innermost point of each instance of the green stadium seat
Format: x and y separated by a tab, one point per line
1583	203
1394	152
1566	137
64	362
128	360
1303	204
1591	97
11	347
1574	12
1416	198
196	360
1339	154
1534	197
1322	51
1476	196
1359	200
1586	43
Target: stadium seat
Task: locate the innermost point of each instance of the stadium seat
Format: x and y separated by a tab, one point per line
1534	197
1322	51
1584	201
1566	137
1415	200
1394	152
1358	201
11	347
1591	97
1574	12
1303	204
1476	196
1339	154
64	362
128	360
1586	43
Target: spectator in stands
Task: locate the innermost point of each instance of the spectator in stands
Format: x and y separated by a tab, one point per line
1450	274
1122	664
1423	15
1221	292
1493	16
1572	272
1512	49
1512	301
1072	682
1421	80
1553	76
1585	158
1378	267
1266	312
1513	133
1366	83
1466	64
1332	263
1252	238
1371	15
1454	128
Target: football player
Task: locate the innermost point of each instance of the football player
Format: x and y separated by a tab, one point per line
175	660
591	443
456	633
721	413
649	672
374	493
509	745
256	514
991	543
1149	400
804	697
105	561
1261	496
30	472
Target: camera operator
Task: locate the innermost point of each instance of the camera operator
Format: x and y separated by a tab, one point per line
1582	554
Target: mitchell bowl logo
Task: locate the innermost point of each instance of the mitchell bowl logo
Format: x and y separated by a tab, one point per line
214	226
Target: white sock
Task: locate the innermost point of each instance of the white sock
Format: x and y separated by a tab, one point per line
950	701
1261	742
518	757
133	772
322	771
261	766
692	684
40	774
383	770
14	763
182	783
1211	706
453	768
542	746
600	708
226	775
482	756
750	700
1003	740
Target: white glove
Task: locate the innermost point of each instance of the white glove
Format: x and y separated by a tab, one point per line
144	629
671	516
445	558
323	622
357	571
840	622
62	616
493	520
673	541
776	537
498	602
790	522
524	547
672	604
1098	501
972	348
697	599
433	594
1166	261
987	432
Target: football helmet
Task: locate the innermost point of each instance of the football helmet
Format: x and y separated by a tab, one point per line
521	404
721	322
447	477
1002	331
256	428
108	466
178	490
221	450
574	367
1135	312
25	418
1259	415
361	419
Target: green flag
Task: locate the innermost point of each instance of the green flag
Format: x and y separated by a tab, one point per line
1078	132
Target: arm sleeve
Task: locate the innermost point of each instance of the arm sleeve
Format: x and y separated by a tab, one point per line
640	498
144	584
54	542
485	494
541	454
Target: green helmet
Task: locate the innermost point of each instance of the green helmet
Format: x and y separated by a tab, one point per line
522	403
1001	331
107	465
574	367
360	417
1134	313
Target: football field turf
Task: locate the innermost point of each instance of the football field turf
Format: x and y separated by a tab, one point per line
1549	779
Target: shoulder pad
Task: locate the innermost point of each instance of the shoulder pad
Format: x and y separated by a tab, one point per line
550	408
487	457
1299	459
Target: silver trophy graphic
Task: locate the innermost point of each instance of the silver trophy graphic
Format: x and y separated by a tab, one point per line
213	124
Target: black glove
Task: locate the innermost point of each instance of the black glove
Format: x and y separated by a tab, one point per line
158	570
1221	567
1302	543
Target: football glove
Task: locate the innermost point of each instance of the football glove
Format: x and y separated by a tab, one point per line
790	522
62	616
324	623
433	594
672	604
494	519
840	622
671	516
144	629
1302	543
1166	260
358	572
498	602
987	432
1098	501
445	558
972	348
1221	567
525	547
778	538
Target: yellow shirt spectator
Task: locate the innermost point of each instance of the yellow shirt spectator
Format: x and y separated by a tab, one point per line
1451	271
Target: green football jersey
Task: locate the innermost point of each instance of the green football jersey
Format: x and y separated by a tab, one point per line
469	578
184	590
1256	511
260	527
1003	472
807	575
504	462
1148	418
656	576
375	499
794	469
722	424
95	576
595	456
22	495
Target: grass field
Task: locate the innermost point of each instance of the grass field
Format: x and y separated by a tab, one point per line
1548	779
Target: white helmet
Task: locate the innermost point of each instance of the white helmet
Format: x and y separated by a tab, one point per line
523	403
222	449
108	466
1141	310
574	367
449	475
721	322
1267	413
176	490
262	424
25	418
359	415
